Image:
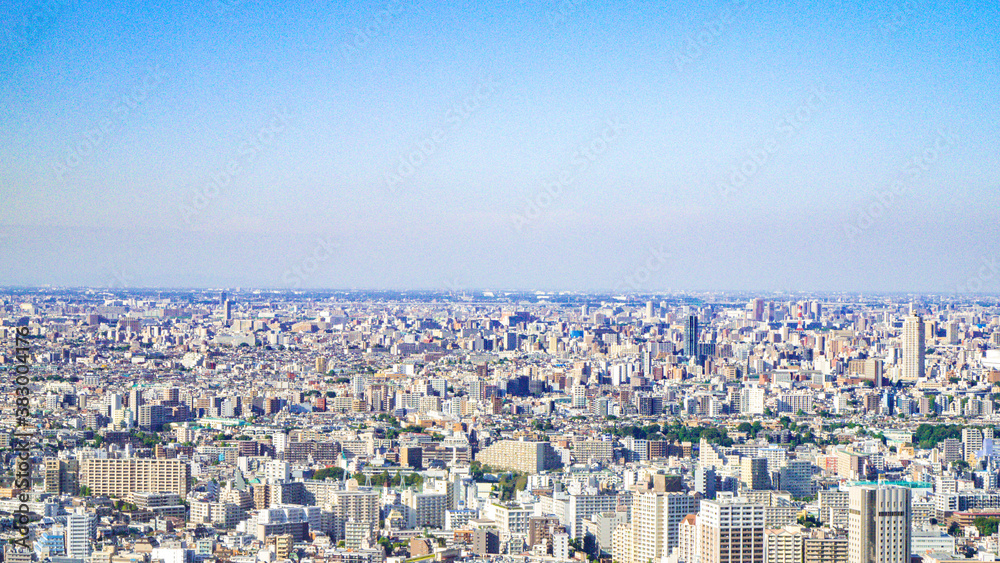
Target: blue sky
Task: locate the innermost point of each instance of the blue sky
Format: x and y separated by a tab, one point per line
534	145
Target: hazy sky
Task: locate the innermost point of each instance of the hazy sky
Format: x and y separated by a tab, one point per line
540	145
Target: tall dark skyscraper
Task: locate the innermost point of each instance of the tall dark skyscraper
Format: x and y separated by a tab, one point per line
691	336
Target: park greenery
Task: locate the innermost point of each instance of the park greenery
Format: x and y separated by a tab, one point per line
986	526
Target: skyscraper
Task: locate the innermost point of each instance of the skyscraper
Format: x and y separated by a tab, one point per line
913	347
878	524
691	336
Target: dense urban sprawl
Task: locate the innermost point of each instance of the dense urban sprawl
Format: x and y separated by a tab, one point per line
360	427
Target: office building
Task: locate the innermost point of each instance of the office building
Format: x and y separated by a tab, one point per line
795	476
705	482
360	505
879	525
411	457
825	547
426	509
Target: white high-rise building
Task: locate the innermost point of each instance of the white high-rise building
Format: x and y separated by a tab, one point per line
357	385
578	506
913	347
879	525
687	539
752	400
579	396
81	529
277	471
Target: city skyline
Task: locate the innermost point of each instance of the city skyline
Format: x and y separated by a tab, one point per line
562	146
238	425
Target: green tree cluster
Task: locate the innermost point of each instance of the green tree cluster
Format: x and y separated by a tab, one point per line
927	436
986	526
809	521
329	472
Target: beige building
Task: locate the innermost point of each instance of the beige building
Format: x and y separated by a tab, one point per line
879	525
122	477
753	474
654	527
527	457
62	476
795	544
824	547
687	539
785	545
622	544
588	451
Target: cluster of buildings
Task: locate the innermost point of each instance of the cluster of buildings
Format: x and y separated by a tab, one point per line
252	426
